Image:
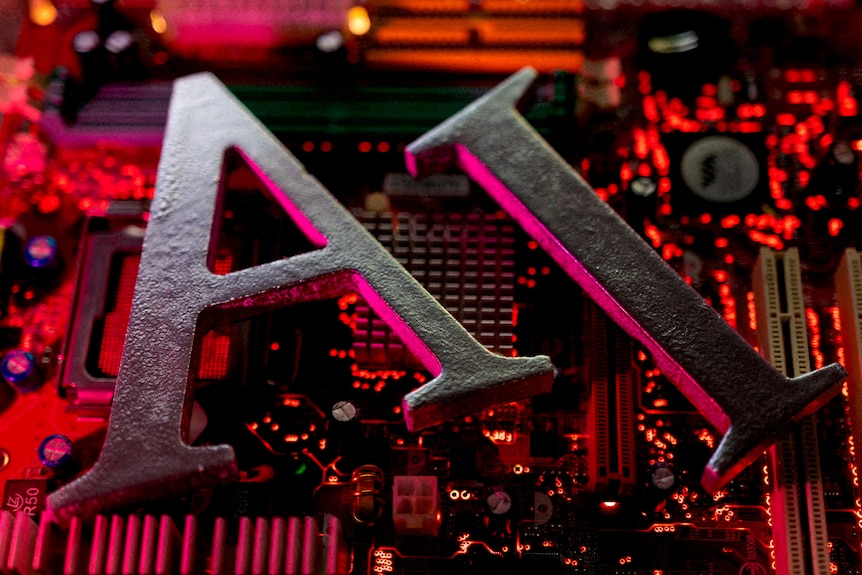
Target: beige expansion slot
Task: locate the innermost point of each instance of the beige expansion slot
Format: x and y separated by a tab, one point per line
611	413
798	511
848	285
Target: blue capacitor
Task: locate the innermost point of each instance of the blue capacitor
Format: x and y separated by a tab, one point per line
18	368
55	451
40	251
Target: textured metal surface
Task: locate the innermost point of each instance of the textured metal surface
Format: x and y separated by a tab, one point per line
144	454
735	388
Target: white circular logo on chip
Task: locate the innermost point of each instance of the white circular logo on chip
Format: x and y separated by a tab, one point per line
720	169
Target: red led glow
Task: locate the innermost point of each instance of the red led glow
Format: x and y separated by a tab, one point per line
706	102
815	124
651	110
667	252
777	174
710	114
689	126
49	204
661	160
625	172
814	329
815	202
785	119
730	221
847	105
775	189
644	82
663	186
653	234
749	127
641	146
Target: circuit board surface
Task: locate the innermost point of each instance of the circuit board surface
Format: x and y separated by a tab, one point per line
726	137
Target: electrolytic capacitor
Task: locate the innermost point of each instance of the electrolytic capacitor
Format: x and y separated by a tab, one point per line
659	487
344	411
55	451
41	251
499	502
662	476
18	368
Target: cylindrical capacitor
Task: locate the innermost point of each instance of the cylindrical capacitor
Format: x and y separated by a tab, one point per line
55	451
41	251
344	434
345	411
662	476
659	487
18	368
123	56
499	502
93	57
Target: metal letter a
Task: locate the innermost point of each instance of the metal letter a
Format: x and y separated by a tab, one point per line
144	455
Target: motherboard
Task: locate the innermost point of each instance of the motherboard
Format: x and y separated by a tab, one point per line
430	287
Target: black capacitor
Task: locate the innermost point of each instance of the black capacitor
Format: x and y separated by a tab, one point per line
661	480
836	177
93	58
683	50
